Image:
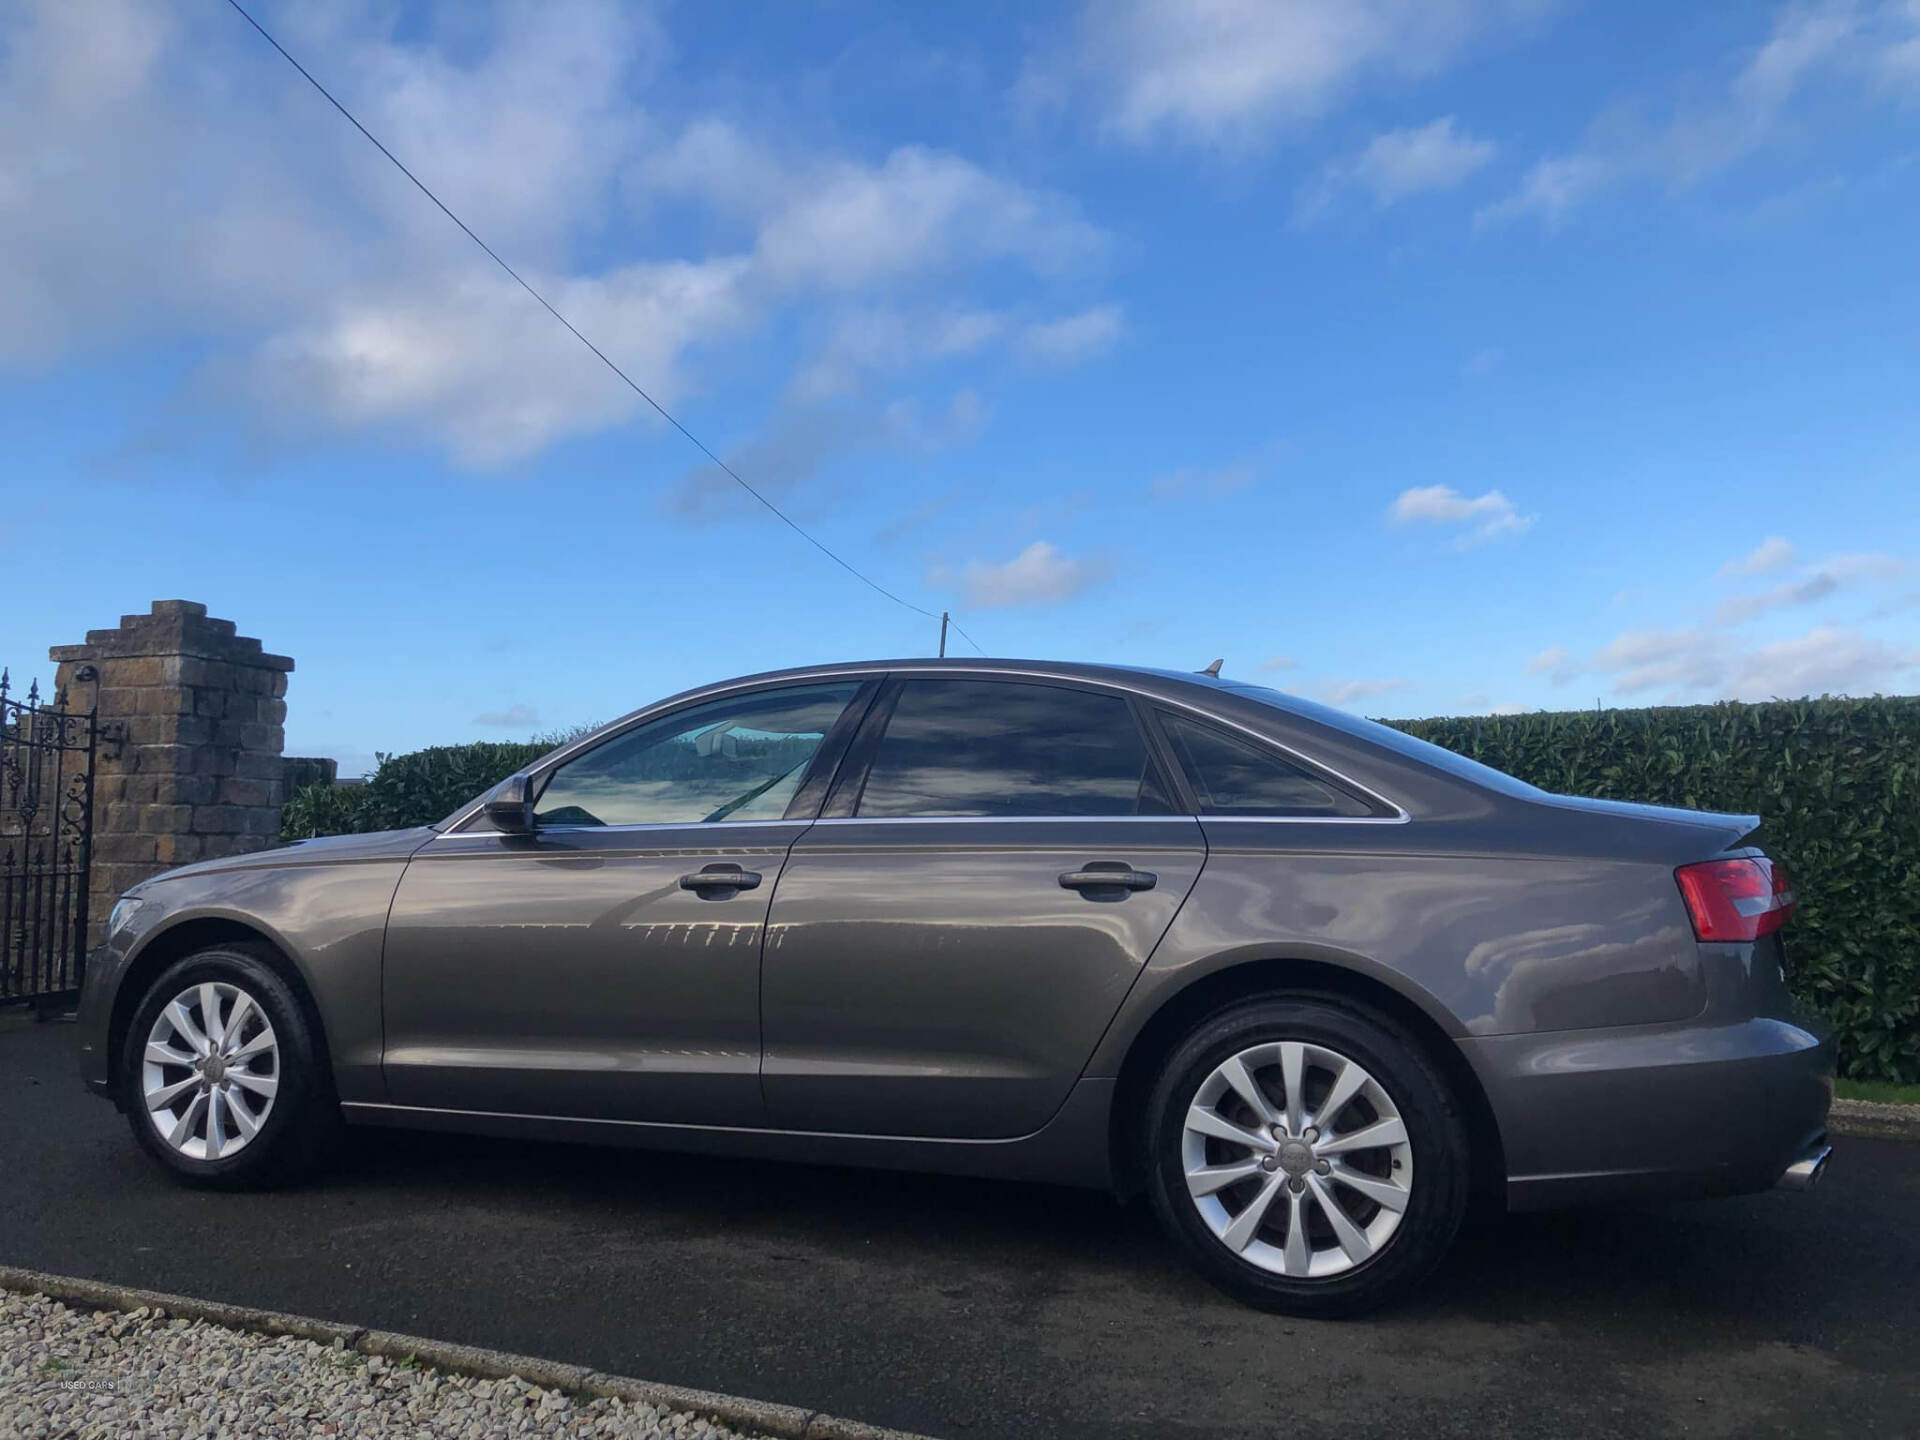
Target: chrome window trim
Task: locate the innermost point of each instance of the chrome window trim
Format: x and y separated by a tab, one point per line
1400	818
649	826
861	671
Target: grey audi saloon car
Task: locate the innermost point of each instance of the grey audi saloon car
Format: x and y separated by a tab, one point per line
1304	981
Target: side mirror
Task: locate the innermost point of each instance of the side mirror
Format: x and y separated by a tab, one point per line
719	740
509	805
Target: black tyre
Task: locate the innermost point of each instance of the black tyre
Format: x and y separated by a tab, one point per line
1306	1154
225	1082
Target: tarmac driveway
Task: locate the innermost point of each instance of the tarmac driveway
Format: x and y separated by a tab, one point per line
967	1308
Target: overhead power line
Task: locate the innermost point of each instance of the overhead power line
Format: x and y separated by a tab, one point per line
572	329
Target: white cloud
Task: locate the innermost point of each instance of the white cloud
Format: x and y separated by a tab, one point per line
1276	662
324	288
1552	189
1814	588
472	360
1862	565
1405	162
1769	555
799	440
1039	575
1345	692
717	162
1507	708
886	340
784	454
1638	660
1817	584
1692	140
1556	662
1491	516
1399	164
1551	658
1825	660
281	207
1712	660
1217	72
854	225
1694	663
1073	338
1898	57
838	223
1898	605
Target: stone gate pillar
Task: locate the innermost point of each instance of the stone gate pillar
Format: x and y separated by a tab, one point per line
191	727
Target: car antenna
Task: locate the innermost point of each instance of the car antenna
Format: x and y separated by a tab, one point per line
1213	669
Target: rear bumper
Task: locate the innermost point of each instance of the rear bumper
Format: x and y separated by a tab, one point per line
1654	1112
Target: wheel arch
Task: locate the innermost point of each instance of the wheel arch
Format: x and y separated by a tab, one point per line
1177	1013
184	938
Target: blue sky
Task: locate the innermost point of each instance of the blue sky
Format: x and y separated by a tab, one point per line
1426	356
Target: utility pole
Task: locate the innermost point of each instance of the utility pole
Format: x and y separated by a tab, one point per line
943	634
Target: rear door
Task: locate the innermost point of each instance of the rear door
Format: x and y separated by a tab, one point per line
998	859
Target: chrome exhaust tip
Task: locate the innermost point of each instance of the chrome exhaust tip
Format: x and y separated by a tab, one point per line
1805	1173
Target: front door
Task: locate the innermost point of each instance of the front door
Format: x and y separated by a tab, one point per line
996	864
607	966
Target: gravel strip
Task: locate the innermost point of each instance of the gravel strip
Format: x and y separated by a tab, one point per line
100	1374
1877	1119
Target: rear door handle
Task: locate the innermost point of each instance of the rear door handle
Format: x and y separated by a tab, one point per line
716	878
1103	876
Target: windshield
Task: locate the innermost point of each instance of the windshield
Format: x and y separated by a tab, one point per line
1424	752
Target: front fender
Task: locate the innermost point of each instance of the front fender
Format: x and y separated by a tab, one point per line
327	918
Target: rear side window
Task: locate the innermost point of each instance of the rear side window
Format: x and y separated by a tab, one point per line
983	747
1233	775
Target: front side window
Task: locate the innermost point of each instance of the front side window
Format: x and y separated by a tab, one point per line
1232	775
983	747
736	759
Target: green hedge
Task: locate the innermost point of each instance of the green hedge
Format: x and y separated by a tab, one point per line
1835	782
413	789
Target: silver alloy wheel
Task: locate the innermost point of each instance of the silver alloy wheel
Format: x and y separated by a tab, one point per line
210	1070
1295	1121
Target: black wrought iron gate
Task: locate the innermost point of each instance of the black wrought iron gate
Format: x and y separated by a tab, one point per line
46	845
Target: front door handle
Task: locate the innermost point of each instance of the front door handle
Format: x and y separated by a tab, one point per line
710	880
1102	875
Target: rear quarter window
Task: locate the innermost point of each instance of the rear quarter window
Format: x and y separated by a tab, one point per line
1231	774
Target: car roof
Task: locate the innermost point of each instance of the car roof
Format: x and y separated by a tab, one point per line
1126	676
1379	758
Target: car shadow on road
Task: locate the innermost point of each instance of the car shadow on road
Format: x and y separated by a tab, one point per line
1738	1262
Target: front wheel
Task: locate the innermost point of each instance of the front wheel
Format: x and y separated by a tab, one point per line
224	1082
1306	1154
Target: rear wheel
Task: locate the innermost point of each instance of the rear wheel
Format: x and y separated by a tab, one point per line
1306	1155
224	1082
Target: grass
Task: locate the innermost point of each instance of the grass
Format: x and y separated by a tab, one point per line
1883	1091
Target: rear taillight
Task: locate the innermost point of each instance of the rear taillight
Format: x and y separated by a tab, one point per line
1735	900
